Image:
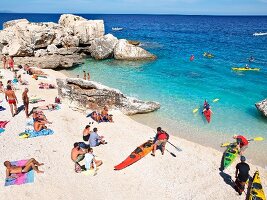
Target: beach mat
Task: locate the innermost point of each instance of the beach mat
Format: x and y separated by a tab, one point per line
2	130
32	133
3	124
21	178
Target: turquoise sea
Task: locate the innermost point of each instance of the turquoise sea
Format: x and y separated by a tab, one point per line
181	85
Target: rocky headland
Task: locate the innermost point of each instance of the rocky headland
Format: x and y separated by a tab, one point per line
66	43
262	107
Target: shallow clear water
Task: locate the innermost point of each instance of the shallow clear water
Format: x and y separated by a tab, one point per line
180	85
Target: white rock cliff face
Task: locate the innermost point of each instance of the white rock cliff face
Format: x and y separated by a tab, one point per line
125	51
102	48
262	107
85	30
73	38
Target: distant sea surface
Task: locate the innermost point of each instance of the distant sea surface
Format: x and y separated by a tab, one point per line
180	85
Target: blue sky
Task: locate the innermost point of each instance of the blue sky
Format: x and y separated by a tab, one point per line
212	7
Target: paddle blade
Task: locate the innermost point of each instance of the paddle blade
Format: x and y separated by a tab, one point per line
195	110
215	100
258	139
225	144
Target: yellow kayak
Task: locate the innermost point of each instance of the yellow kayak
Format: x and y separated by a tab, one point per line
208	55
256	190
245	69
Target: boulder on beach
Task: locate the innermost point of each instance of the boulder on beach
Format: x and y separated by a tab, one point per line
92	95
102	48
126	51
262	107
85	30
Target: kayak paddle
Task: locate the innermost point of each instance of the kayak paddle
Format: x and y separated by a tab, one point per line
215	100
253	139
195	110
177	148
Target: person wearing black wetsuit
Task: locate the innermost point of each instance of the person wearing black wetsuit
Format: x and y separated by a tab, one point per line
241	175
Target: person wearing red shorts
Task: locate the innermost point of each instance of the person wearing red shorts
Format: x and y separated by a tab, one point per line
11	63
11	99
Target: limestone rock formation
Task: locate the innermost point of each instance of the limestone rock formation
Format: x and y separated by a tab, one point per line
126	51
51	61
14	22
262	107
85	30
102	48
90	94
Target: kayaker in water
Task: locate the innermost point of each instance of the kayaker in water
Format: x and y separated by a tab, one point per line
206	107
241	175
192	57
242	143
247	66
160	140
251	59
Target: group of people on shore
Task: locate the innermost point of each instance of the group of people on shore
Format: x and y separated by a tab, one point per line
8	63
103	116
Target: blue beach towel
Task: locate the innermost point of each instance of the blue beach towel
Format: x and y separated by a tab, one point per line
2	130
43	132
2	108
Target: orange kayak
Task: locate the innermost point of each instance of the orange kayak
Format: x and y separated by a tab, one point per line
136	155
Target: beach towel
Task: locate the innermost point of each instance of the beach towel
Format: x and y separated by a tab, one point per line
3	124
36	100
2	130
21	178
33	133
2	108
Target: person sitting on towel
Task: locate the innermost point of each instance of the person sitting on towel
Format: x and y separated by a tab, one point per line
31	164
39	125
95	139
105	116
95	116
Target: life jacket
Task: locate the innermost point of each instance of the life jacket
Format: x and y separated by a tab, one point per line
162	135
243	140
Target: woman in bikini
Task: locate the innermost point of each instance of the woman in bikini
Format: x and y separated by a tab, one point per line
48	107
11	99
105	116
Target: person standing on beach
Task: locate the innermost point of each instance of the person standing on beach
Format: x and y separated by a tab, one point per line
4	62
25	100
242	143
160	140
84	75
11	99
88	76
241	175
11	63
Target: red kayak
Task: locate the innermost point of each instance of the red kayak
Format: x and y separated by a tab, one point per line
136	155
207	113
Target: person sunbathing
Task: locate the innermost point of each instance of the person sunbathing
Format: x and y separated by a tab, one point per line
46	86
105	116
48	107
39	125
22	82
96	116
31	164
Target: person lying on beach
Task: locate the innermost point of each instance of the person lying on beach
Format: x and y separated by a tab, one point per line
46	86
11	99
160	140
31	164
90	161
77	155
48	107
22	82
95	139
86	133
105	116
33	71
96	116
39	125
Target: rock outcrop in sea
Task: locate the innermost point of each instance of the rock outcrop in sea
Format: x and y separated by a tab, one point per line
82	95
64	44
262	107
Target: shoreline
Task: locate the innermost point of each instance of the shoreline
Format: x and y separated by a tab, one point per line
204	137
194	170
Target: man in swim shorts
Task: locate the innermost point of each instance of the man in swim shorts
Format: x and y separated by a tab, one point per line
11	99
25	100
161	140
241	175
77	155
31	164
